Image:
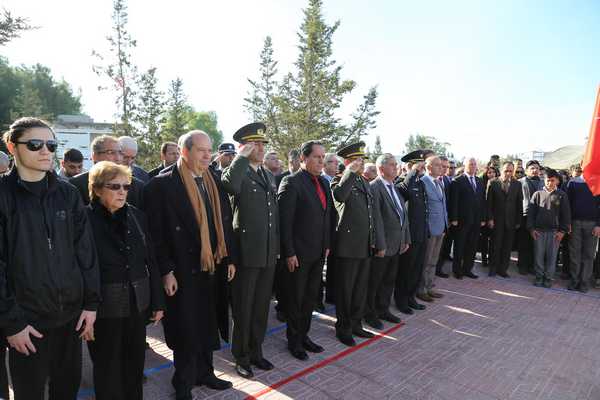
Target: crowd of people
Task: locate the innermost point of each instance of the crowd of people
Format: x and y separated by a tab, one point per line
97	255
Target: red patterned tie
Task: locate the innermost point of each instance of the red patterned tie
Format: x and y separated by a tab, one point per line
320	191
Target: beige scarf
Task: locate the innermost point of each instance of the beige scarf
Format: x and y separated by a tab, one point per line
207	258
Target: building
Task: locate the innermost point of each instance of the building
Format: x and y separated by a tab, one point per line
78	131
532	155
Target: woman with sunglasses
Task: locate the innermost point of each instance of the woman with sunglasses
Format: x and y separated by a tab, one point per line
130	285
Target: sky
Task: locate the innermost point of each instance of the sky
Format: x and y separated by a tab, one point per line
487	77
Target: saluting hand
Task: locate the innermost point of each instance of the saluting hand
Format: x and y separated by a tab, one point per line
292	263
246	149
356	165
170	284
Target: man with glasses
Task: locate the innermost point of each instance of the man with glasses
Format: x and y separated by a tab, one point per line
129	149
49	277
107	148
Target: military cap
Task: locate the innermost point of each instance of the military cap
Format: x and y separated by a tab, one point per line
254	132
417	155
354	150
227	148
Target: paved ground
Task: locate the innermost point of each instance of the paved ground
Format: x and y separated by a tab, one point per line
490	338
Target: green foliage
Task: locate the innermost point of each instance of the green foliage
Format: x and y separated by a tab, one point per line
207	122
32	91
418	141
305	104
377	151
11	27
177	113
149	118
117	67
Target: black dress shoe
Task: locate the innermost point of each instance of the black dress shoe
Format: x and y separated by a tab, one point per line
442	274
374	322
300	354
183	395
406	310
215	383
244	371
360	332
458	276
311	346
491	273
263	364
471	275
389	317
347	340
503	274
416	306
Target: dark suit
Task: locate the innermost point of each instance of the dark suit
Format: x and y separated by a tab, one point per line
191	322
134	196
447	243
505	209
410	269
305	233
156	171
253	195
468	208
353	248
392	234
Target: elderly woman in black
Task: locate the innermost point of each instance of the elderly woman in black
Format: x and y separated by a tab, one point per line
131	285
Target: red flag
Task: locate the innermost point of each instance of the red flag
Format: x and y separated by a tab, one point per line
591	158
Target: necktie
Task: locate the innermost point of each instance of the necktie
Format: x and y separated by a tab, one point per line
438	183
473	184
396	205
320	191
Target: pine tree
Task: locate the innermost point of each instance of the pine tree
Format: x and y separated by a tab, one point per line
178	112
261	101
120	69
11	27
364	119
149	118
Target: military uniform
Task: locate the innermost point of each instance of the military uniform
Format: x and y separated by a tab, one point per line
253	196
354	244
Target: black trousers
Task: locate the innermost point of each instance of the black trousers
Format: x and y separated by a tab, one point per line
330	279
381	285
191	368
4	392
118	354
252	288
279	286
58	358
352	279
502	241
525	245
485	246
410	273
301	288
465	246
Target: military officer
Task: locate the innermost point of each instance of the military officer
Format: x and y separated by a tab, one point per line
410	270
355	241
253	194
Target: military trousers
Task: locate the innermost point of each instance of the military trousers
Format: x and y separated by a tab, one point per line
352	280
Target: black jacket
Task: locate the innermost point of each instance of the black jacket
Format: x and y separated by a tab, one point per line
413	190
549	211
48	263
305	224
467	206
126	259
505	208
134	197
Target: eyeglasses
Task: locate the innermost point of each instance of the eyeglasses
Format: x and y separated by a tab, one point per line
117	186
37	144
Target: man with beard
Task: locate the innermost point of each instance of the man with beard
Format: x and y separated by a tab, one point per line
189	232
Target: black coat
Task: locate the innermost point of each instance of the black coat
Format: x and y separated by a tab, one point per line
305	225
134	197
191	319
506	209
466	205
413	190
126	259
48	263
154	172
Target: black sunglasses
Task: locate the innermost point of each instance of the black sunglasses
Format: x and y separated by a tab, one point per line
117	186
37	144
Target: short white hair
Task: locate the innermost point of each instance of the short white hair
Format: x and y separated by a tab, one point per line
129	143
329	156
466	160
383	159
